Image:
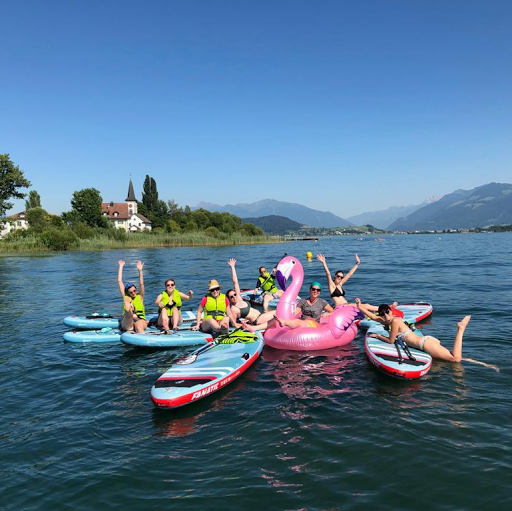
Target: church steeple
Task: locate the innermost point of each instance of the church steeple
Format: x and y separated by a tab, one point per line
131	193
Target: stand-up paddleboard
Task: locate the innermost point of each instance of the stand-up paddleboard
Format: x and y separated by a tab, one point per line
412	313
108	334
159	339
205	371
97	321
394	360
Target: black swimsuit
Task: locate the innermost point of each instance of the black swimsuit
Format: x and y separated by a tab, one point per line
244	311
337	292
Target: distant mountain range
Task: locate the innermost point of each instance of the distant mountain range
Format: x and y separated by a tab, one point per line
301	214
274	224
486	205
382	219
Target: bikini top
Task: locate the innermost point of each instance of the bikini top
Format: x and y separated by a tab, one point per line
337	292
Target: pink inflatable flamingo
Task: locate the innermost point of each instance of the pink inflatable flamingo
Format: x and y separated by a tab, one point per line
336	329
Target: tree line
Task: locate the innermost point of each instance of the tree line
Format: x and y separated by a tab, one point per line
85	219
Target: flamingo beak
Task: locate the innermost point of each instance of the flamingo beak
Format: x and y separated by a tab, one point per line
281	280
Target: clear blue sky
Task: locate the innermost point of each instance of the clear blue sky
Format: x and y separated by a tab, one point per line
342	105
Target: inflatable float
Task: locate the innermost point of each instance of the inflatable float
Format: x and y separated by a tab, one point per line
336	329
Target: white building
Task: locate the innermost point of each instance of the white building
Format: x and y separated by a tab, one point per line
13	222
124	214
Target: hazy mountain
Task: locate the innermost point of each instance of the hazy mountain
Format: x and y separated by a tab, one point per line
274	224
381	219
490	204
297	212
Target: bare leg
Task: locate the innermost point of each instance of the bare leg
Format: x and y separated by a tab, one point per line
260	326
265	317
163	319
267	297
140	325
434	348
293	323
176	318
127	321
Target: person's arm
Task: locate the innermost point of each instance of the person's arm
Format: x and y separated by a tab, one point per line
140	265
367	312
159	302
322	259
231	317
234	276
198	318
328	308
392	334
120	277
352	271
188	296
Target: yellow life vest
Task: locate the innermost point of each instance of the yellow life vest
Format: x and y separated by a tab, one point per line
215	308
176	298
138	306
267	283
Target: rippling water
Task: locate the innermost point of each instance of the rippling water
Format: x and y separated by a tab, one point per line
320	430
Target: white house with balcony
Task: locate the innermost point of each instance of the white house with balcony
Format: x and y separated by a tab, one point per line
124	215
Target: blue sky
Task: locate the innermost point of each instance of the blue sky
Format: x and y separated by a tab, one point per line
347	106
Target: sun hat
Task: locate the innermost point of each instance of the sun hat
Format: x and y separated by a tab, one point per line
213	284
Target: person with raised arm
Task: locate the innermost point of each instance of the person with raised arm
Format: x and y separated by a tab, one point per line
169	302
336	284
242	310
134	314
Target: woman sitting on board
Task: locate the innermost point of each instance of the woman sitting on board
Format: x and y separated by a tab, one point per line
266	283
169	302
399	331
311	310
241	309
134	314
217	311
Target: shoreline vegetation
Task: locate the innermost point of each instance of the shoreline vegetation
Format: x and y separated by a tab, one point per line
117	240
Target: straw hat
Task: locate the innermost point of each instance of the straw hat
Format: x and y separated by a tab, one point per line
213	284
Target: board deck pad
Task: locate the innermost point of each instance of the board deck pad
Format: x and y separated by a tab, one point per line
204	372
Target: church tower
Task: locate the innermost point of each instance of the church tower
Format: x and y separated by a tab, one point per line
131	200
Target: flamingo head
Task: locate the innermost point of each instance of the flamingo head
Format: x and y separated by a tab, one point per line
284	270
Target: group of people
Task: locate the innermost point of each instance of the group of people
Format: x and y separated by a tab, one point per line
217	311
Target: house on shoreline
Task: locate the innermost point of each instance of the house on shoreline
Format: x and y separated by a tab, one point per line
13	222
124	215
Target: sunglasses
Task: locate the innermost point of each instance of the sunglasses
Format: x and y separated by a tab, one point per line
170	285
232	295
315	289
215	289
338	276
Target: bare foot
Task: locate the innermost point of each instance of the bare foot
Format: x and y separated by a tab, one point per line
461	325
249	328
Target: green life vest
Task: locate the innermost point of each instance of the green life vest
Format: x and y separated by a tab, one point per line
138	306
176	298
215	308
267	283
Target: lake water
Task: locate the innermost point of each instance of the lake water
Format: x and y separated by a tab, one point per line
319	430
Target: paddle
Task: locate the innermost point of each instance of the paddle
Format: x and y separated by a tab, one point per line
269	277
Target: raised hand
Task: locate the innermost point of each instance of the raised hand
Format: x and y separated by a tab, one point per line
121	263
232	262
358	261
321	258
139	265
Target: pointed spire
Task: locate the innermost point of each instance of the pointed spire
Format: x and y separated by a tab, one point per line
131	193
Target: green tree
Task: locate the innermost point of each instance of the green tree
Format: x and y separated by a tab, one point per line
11	179
87	204
33	201
150	195
37	218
